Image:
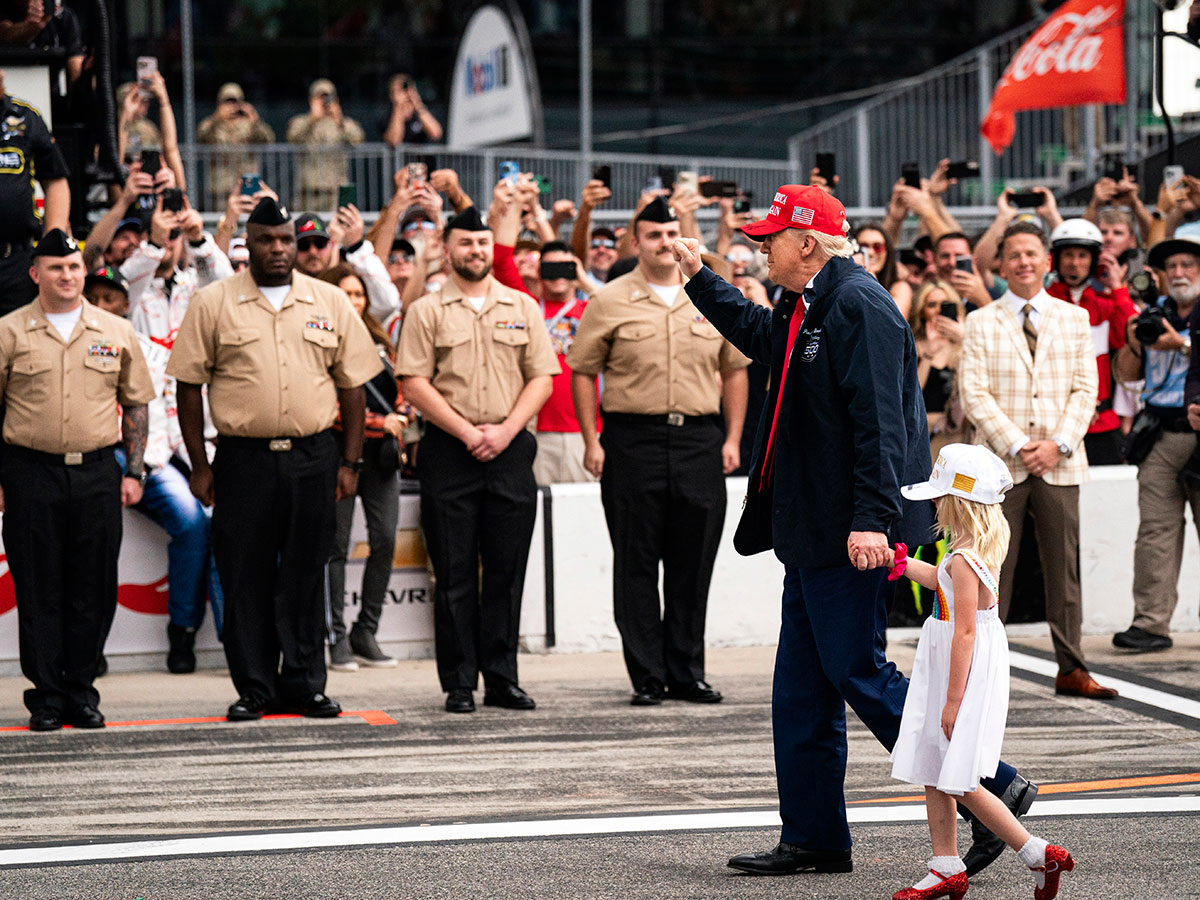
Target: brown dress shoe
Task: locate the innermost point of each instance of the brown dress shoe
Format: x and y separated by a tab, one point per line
1078	683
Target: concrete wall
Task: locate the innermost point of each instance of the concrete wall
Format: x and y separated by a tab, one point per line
743	605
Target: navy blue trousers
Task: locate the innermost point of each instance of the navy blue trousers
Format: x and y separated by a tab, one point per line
831	652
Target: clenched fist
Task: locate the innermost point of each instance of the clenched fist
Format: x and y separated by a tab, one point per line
687	254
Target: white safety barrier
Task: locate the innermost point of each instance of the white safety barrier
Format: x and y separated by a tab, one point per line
575	615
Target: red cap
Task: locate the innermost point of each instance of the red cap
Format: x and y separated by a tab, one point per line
800	206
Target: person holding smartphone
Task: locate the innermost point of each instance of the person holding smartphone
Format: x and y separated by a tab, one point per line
235	123
409	121
936	320
327	131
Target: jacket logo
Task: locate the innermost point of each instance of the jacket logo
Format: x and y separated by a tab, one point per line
320	323
12	161
511	326
813	345
12	127
109	351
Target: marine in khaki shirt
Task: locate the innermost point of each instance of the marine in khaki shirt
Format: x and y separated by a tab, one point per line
272	374
479	361
61	396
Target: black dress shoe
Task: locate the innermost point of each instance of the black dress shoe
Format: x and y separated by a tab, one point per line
316	706
246	709
508	696
1141	640
788	859
181	657
985	846
84	716
696	692
650	693
45	719
460	700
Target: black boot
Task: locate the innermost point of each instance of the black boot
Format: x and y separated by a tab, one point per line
181	658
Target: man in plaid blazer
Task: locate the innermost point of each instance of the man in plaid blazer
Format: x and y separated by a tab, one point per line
1028	380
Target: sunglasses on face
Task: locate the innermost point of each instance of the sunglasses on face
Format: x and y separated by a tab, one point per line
605	243
413	226
395	259
311	243
874	246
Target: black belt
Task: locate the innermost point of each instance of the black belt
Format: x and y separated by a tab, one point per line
674	420
7	248
74	458
275	445
1173	420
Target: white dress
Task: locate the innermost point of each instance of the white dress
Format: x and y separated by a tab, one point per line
922	754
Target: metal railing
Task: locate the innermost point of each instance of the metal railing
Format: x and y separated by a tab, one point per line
939	117
307	178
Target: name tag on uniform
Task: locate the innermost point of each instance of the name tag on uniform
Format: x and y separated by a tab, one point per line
109	351
320	323
511	326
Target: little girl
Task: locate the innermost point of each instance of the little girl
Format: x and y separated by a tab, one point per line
953	722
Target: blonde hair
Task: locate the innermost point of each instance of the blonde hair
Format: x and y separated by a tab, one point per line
980	527
916	312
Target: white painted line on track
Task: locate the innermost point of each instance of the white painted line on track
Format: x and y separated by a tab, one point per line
1130	691
216	845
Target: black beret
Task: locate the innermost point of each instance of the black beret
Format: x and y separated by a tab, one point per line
467	220
657	210
56	242
269	213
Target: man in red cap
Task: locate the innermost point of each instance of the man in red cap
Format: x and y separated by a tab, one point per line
843	427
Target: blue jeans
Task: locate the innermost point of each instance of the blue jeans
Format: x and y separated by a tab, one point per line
831	652
191	573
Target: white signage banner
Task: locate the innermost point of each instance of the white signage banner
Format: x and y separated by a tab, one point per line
494	95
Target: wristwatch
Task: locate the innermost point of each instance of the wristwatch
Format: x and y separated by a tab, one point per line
354	465
139	477
1064	448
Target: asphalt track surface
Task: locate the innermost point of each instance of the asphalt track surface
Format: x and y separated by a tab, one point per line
586	797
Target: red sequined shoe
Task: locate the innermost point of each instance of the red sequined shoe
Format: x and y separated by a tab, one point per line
953	887
1058	861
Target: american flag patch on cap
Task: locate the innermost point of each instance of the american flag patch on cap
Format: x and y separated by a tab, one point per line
802	216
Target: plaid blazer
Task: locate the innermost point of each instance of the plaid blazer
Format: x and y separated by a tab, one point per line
1008	395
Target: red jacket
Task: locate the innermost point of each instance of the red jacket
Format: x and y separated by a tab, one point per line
1108	314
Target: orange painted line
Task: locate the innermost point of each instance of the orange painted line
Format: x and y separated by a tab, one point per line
370	716
1071	787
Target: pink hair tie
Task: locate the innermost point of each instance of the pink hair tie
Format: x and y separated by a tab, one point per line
901	562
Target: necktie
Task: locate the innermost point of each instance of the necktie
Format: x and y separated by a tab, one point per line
1029	328
768	467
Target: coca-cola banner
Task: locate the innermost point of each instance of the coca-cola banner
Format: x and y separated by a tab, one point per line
1076	57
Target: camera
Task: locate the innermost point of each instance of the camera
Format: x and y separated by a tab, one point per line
1142	286
1150	325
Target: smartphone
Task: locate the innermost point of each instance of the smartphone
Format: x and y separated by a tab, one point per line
688	181
966	168
653	183
251	184
603	174
949	310
146	66
347	195
1027	200
825	167
911	173
666	176
552	270
172	199
1114	168
718	189
741	205
1172	175
417	173
510	171
909	257
964	263
543	183
429	161
151	162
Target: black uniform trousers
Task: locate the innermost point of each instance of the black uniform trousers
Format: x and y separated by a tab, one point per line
16	287
273	520
664	499
62	535
477	513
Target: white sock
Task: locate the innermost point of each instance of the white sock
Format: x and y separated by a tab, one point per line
944	866
1033	854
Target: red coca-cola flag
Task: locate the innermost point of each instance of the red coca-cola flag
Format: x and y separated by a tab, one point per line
1077	56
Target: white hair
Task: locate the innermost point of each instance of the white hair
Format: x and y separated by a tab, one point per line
832	245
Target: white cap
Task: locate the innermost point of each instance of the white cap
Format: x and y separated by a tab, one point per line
969	471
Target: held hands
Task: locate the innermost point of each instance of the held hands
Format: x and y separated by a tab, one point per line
1040	457
868	550
687	254
486	442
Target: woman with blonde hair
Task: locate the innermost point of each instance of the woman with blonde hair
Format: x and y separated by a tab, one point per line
936	319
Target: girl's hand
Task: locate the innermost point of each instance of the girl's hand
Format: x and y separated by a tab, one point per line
949	715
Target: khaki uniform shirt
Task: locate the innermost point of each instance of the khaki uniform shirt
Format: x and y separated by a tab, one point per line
655	358
273	374
324	166
61	397
226	166
479	361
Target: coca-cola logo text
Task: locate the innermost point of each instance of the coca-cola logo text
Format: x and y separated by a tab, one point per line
1077	52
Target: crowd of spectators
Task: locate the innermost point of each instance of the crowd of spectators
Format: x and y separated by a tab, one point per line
1134	269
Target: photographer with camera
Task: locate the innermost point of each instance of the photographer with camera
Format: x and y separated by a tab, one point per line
1082	279
235	123
1162	442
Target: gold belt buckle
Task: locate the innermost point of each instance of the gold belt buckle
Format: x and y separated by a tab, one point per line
280	444
75	458
675	419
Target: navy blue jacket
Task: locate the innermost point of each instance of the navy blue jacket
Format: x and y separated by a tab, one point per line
852	427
